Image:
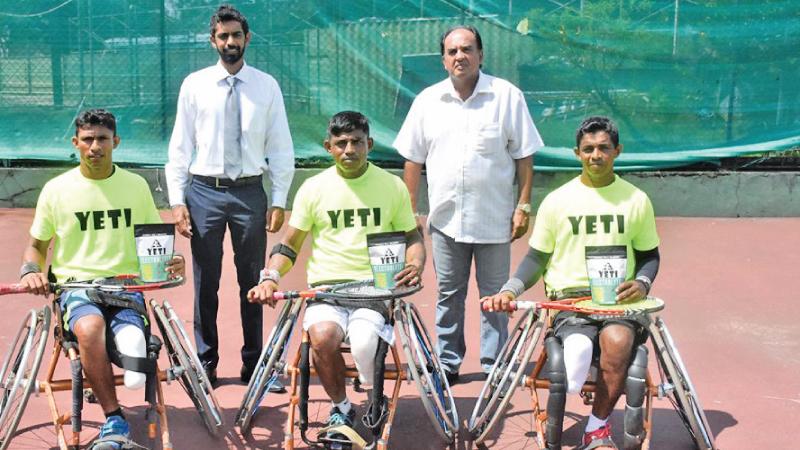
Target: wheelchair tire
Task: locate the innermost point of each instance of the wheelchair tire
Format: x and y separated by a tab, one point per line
677	386
19	370
192	377
509	368
270	364
427	372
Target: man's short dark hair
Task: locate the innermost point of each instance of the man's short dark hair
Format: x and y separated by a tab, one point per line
594	124
469	28
347	122
225	13
92	117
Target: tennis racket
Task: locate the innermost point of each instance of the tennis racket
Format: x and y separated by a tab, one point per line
352	292
119	283
584	305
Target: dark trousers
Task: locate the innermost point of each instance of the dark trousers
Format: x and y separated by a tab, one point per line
243	210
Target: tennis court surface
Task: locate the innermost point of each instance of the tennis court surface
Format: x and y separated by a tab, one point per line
732	309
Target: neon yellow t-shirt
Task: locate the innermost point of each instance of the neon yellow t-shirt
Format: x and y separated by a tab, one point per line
575	216
92	223
340	212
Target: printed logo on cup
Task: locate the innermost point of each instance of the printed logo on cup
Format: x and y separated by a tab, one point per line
607	267
154	247
387	256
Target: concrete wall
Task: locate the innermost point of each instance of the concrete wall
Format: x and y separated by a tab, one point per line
682	194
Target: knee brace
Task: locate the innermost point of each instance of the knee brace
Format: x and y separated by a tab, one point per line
363	346
555	371
635	387
577	361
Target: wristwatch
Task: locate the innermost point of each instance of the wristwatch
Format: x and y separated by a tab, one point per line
524	207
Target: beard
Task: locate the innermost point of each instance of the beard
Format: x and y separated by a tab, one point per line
231	57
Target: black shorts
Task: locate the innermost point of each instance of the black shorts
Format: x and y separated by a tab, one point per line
568	322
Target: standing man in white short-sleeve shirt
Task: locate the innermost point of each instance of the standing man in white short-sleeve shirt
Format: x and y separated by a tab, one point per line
474	134
230	130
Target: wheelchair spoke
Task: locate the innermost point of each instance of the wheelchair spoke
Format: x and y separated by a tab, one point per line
505	376
270	364
426	371
678	387
184	360
19	371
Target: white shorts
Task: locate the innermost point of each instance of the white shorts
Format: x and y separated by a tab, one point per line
346	317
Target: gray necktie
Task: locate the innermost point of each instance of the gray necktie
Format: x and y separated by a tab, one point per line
232	132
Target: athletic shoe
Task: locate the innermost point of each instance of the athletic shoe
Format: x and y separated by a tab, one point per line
600	437
115	427
339	418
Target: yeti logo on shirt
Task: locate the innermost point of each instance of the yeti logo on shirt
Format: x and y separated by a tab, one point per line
100	220
593	224
350	218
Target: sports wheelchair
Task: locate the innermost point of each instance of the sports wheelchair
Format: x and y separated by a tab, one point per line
512	370
21	364
421	360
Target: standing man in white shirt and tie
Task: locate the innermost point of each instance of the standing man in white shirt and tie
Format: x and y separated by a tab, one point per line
476	138
230	129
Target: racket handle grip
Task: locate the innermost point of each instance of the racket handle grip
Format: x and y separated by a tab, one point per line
284	295
523	304
15	288
514	305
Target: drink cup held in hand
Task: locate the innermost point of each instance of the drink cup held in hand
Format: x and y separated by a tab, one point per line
607	267
387	255
155	244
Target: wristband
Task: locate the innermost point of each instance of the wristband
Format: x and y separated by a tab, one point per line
29	267
269	274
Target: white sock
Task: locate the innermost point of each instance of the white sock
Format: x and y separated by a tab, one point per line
577	361
594	423
344	406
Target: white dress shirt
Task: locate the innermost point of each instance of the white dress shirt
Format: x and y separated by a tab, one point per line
196	145
469	148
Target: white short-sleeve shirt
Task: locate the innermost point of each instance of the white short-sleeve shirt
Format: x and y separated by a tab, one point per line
469	147
196	145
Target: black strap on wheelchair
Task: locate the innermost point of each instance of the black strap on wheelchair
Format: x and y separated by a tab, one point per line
110	299
144	365
304	367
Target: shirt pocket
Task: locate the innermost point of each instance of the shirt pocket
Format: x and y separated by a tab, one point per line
254	117
488	138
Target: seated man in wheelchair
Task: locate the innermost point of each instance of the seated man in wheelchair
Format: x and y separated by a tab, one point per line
595	209
90	211
339	207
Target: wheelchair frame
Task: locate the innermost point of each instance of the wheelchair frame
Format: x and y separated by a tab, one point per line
437	399
512	363
184	367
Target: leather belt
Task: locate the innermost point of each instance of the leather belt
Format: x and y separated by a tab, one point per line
227	182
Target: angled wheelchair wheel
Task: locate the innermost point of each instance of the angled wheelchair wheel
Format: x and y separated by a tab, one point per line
427	372
270	364
18	373
507	372
678	388
186	366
